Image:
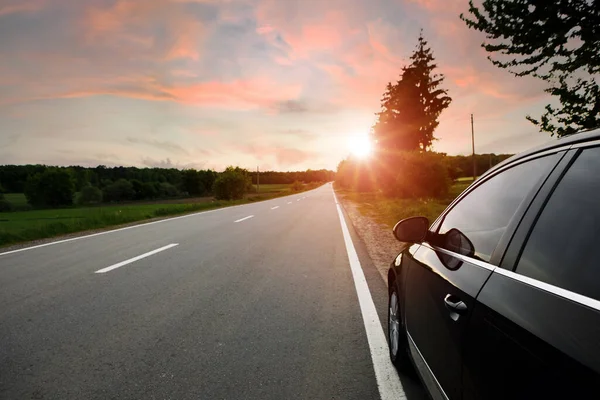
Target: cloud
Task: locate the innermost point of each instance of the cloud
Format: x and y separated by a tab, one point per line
291	106
168	163
20	6
302	134
249	94
161	28
216	72
240	94
283	156
159	144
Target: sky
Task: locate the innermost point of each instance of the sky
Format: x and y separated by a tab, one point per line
279	84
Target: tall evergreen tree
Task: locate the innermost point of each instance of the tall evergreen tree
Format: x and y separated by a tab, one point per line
557	41
410	108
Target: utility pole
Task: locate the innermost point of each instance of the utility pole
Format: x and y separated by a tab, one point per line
257	180
473	144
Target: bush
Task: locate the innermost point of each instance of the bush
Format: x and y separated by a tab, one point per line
167	190
355	175
149	190
51	188
416	175
297	186
121	190
208	179
192	183
4	204
232	184
89	195
137	189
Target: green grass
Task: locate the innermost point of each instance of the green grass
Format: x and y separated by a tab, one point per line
17	200
465	179
20	226
30	225
274	188
388	211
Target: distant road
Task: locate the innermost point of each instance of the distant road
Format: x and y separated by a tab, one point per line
263	301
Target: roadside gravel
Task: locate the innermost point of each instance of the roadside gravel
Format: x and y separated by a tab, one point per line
381	244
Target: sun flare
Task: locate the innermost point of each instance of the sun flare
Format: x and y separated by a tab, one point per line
360	146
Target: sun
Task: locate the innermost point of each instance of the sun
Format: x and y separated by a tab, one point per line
360	146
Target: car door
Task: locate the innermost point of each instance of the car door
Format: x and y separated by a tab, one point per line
447	272
535	329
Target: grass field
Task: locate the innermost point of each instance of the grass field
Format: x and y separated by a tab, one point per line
389	211
37	224
274	188
22	226
17	200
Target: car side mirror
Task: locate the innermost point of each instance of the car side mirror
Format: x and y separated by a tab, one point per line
412	230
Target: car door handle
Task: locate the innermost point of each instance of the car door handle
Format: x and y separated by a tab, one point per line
455	305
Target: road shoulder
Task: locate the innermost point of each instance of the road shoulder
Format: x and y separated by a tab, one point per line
378	239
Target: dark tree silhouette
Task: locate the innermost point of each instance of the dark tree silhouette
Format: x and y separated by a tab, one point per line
557	41
412	106
51	188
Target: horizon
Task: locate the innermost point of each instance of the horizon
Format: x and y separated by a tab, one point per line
286	86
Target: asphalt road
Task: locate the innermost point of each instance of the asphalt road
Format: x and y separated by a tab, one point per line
200	307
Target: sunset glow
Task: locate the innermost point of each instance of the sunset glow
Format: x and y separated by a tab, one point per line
206	84
360	146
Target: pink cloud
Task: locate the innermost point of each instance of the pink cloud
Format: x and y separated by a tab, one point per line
20	6
239	94
283	156
134	23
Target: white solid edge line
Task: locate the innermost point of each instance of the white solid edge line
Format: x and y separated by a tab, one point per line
245	218
289	202
274	208
388	381
115	266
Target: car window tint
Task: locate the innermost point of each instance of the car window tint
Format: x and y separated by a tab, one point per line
481	217
563	247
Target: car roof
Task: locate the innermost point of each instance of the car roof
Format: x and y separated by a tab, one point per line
583	136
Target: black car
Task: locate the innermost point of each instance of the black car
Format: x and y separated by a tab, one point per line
500	297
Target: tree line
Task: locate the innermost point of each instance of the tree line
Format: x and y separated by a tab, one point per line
47	186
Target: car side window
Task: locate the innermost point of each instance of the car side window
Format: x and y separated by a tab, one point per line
476	223
563	248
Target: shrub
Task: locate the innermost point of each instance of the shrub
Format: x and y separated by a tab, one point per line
356	175
192	183
415	175
297	186
149	190
4	204
137	189
121	190
89	195
167	190
51	188
231	184
208	179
